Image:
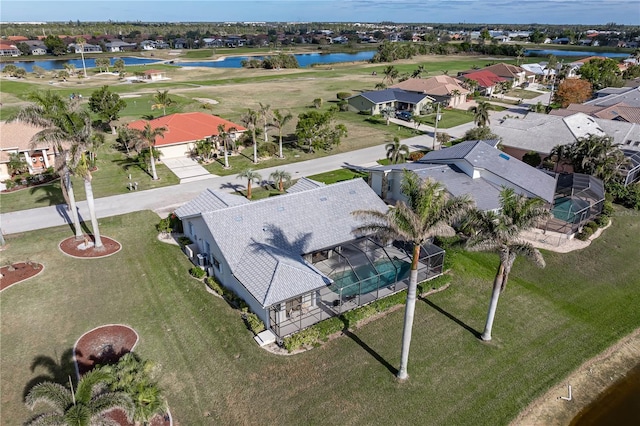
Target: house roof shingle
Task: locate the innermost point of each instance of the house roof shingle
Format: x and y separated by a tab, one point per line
441	85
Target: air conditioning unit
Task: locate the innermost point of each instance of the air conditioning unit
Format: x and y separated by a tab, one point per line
202	259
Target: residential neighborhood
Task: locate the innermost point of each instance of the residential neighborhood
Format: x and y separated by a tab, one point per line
440	225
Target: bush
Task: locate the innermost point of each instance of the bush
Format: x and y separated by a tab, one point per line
592	225
303	338
375	119
214	285
184	241
343	95
602	220
267	149
254	323
196	272
532	158
584	234
416	155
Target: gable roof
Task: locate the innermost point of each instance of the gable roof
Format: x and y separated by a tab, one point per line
441	85
630	97
186	127
485	78
507	71
390	95
263	241
17	135
483	156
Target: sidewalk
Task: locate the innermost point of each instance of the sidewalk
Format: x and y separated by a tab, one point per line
166	199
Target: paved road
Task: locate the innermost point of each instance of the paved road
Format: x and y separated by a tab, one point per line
166	199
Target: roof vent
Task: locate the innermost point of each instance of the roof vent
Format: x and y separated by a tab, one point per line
323	198
352	191
238	218
280	208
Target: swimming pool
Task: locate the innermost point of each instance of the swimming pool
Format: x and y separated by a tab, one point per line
565	208
368	278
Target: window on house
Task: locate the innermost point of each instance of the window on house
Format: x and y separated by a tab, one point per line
190	228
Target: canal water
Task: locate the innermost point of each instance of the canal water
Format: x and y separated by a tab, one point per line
304	60
619	405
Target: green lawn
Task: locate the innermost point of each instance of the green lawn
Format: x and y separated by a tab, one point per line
548	322
111	178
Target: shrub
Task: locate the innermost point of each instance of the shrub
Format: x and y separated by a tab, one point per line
415	155
184	241
532	158
267	149
343	106
214	285
9	184
254	323
375	119
164	225
196	272
584	234
303	338
328	327
602	220
343	95
592	225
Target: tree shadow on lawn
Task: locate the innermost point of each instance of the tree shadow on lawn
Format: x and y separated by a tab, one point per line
369	349
475	333
235	187
58	369
129	162
50	192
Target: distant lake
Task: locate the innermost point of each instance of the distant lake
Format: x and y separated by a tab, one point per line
581	53
58	64
304	59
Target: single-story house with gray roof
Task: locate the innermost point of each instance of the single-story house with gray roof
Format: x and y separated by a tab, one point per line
400	100
294	259
475	168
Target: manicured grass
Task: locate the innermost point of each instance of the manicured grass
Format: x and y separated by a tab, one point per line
111	178
448	118
337	176
548	322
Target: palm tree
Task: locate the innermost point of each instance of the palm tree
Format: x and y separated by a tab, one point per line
396	152
47	111
147	137
133	376
162	100
250	119
390	73
279	121
559	154
81	42
251	176
501	232
281	176
481	113
388	112
225	137
264	114
428	212
418	72
597	156
84	406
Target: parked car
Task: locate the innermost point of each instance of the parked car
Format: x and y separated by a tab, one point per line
404	115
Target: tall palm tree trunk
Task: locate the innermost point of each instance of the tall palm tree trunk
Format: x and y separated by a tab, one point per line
493	304
281	156
88	189
72	205
409	314
226	157
153	163
249	189
255	148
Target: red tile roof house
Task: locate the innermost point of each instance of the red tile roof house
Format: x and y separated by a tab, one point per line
8	49
184	129
487	81
16	137
517	75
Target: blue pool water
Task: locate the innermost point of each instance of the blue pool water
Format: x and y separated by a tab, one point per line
372	279
565	208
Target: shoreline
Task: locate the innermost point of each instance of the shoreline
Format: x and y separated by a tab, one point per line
588	382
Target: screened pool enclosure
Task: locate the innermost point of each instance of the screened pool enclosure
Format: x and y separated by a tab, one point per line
360	271
579	198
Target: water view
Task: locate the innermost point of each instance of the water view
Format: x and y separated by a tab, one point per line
304	59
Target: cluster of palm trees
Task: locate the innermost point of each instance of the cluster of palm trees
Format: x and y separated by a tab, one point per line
594	155
68	129
126	386
430	212
267	119
280	177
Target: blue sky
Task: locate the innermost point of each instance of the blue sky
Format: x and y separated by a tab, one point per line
587	12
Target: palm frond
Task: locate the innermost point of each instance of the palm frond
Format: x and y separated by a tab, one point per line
53	394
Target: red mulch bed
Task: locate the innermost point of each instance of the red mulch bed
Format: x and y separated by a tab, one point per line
21	271
105	345
84	248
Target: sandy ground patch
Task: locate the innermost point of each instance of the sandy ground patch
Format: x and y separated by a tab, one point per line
587	383
206	101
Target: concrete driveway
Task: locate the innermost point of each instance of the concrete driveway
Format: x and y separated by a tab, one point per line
187	169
